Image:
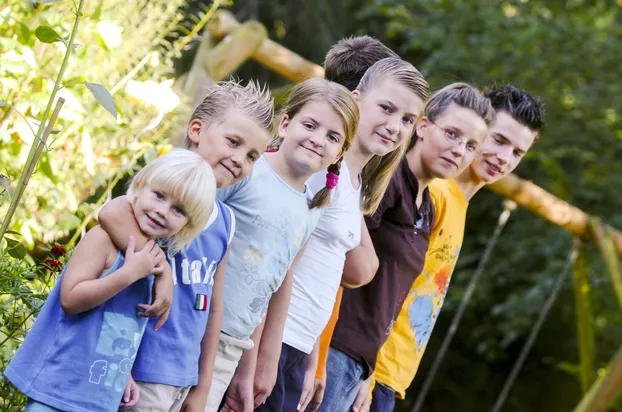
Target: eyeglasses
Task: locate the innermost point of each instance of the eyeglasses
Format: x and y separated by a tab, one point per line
456	139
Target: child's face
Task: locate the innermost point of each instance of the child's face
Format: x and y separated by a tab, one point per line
313	138
449	144
230	146
389	112
158	214
503	149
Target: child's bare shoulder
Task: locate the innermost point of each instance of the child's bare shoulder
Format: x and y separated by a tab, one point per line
98	243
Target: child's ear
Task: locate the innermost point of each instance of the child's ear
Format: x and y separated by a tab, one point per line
283	124
194	130
422	126
356	94
340	155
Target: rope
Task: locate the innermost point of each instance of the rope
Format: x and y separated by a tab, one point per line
559	281
509	206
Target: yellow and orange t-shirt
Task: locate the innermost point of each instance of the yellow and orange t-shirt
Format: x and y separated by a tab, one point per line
401	354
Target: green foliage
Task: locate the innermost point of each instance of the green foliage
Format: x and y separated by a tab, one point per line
125	47
24	286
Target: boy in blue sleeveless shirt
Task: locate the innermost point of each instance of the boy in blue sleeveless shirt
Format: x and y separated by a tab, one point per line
230	130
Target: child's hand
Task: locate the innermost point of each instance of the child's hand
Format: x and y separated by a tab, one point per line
239	397
312	392
131	394
362	403
265	379
144	262
162	298
195	401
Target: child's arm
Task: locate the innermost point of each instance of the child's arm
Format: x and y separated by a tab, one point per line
197	397
361	262
240	394
81	289
117	219
272	337
309	385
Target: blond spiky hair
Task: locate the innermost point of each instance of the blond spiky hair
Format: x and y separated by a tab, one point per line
252	100
189	179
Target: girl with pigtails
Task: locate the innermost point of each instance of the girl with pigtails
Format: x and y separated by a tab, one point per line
390	97
276	209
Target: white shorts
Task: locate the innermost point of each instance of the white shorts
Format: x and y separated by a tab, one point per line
228	356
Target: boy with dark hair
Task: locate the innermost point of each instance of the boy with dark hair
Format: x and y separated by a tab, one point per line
519	123
348	60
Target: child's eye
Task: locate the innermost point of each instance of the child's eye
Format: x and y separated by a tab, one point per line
251	157
385	108
309	126
451	134
498	140
158	195
233	142
408	120
333	138
517	153
179	211
471	147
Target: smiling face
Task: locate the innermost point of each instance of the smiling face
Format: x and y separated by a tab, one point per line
503	149
389	111
158	214
313	138
230	146
448	145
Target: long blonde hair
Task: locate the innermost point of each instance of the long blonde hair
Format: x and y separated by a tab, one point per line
378	171
341	101
187	177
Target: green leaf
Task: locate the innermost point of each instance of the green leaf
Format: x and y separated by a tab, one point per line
45	167
47	34
103	97
25	31
68	221
12	232
97	14
15	248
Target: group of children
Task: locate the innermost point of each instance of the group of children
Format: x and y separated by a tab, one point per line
303	277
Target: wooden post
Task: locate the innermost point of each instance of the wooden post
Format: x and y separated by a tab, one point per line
551	208
583	311
198	78
602	238
604	390
235	49
271	54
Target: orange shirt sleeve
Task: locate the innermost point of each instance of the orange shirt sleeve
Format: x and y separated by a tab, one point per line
327	336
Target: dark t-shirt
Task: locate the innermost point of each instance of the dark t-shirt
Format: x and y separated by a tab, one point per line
400	233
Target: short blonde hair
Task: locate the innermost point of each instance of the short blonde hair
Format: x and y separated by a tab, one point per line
188	178
378	171
341	101
251	100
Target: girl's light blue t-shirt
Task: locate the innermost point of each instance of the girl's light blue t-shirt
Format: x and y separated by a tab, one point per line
273	222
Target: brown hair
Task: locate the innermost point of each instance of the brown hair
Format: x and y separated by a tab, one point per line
378	171
252	100
348	60
463	95
341	101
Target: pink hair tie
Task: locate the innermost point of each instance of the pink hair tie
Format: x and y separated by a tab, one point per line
331	180
270	150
